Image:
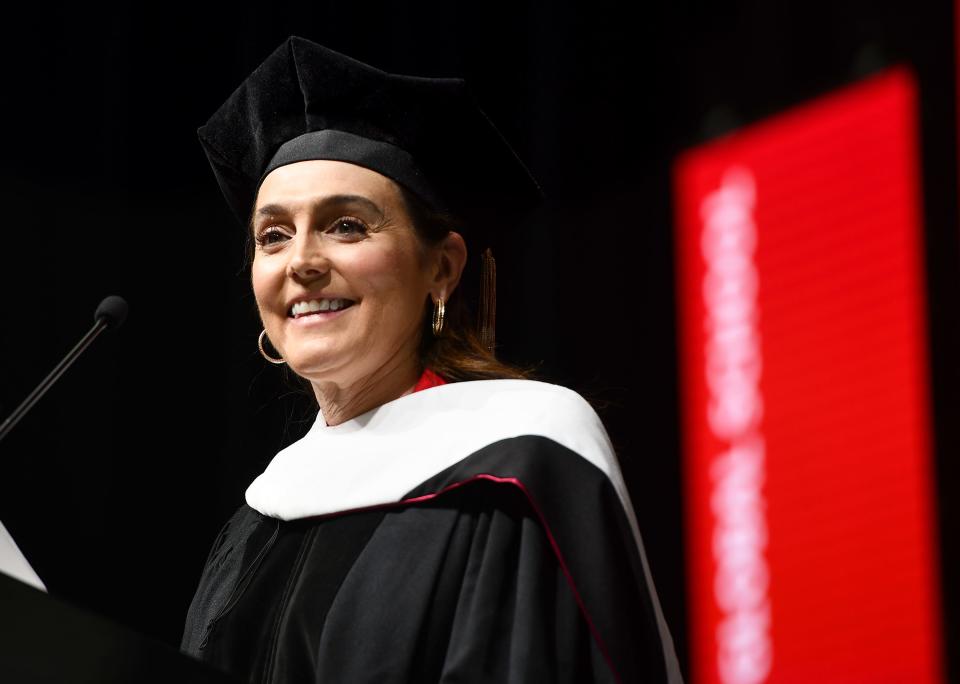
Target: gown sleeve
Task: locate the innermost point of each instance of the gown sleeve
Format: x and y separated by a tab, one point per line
473	585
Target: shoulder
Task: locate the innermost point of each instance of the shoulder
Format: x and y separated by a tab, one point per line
516	408
517	429
543	391
538	406
528	394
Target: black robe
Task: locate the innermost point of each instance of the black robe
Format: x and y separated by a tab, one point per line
471	532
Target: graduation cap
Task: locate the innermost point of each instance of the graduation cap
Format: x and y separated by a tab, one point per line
306	102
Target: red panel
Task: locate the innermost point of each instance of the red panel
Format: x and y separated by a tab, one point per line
807	432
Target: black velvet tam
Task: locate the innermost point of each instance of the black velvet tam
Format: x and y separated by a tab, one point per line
309	102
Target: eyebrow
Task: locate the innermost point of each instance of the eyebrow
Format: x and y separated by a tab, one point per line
330	200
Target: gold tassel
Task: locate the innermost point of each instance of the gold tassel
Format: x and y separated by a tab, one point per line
486	323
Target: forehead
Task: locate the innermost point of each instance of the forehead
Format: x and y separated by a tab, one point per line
307	181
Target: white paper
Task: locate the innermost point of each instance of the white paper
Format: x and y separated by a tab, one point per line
13	563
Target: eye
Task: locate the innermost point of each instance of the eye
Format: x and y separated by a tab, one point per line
270	235
348	226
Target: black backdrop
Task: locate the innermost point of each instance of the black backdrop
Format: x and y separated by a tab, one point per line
118	481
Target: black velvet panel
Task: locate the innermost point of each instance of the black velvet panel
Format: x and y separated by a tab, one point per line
384	158
237	552
273	622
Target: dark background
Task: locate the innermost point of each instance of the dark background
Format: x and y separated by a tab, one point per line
116	484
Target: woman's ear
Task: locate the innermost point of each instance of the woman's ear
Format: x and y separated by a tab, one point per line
451	260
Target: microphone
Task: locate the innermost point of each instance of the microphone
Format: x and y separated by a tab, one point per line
110	315
113	311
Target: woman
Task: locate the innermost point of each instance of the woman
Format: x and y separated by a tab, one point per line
444	519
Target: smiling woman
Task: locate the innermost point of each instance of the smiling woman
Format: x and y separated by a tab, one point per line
444	519
336	236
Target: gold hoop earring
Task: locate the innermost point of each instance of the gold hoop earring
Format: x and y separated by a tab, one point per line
263	353
439	310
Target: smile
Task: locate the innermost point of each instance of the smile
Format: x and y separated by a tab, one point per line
314	307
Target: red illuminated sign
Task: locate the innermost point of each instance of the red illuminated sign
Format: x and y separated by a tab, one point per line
807	433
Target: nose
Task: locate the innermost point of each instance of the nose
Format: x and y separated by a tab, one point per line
308	258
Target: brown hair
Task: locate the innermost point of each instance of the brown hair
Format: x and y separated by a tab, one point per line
457	354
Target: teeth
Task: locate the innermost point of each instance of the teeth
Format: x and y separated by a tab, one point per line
315	305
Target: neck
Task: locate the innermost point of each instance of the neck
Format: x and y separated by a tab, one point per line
342	402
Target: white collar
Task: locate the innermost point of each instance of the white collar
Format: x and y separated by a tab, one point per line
379	456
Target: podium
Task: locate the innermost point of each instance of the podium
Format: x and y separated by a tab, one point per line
44	639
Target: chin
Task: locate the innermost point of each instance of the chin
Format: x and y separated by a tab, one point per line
317	366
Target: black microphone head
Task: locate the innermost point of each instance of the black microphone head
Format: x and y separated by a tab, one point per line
112	311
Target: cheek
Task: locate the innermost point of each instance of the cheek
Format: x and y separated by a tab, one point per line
265	282
390	280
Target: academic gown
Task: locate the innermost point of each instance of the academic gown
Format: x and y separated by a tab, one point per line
470	532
